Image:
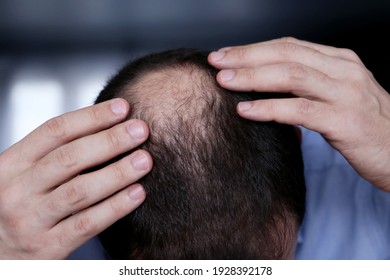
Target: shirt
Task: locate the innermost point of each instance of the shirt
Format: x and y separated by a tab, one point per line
346	217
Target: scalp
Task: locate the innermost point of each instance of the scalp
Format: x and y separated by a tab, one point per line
171	98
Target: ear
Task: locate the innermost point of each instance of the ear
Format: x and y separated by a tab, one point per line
298	132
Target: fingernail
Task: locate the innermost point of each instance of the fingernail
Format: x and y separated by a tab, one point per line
244	106
137	192
217	56
118	107
227	75
140	161
136	130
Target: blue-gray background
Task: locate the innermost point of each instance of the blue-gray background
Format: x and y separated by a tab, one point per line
55	56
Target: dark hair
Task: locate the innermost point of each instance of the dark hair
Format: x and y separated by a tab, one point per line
222	187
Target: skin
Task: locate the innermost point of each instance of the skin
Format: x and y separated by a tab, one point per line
334	94
47	209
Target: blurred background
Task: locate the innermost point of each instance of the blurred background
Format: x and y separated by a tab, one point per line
55	56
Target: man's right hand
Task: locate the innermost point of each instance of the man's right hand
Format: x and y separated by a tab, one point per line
47	209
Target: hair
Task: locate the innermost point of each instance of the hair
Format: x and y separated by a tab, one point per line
222	187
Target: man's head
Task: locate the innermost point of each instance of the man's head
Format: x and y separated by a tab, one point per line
222	187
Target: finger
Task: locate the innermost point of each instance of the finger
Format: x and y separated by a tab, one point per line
77	229
323	48
296	78
65	128
87	189
344	53
320	57
293	111
70	159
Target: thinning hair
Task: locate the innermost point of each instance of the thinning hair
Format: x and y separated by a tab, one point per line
222	187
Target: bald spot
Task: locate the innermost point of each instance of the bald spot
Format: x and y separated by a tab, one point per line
172	97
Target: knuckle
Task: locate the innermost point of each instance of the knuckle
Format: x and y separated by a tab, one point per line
56	127
96	114
74	194
350	54
120	173
250	75
113	140
65	241
116	208
359	73
296	71
51	206
66	156
270	107
286	49
84	226
373	103
304	106
240	53
288	39
357	81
